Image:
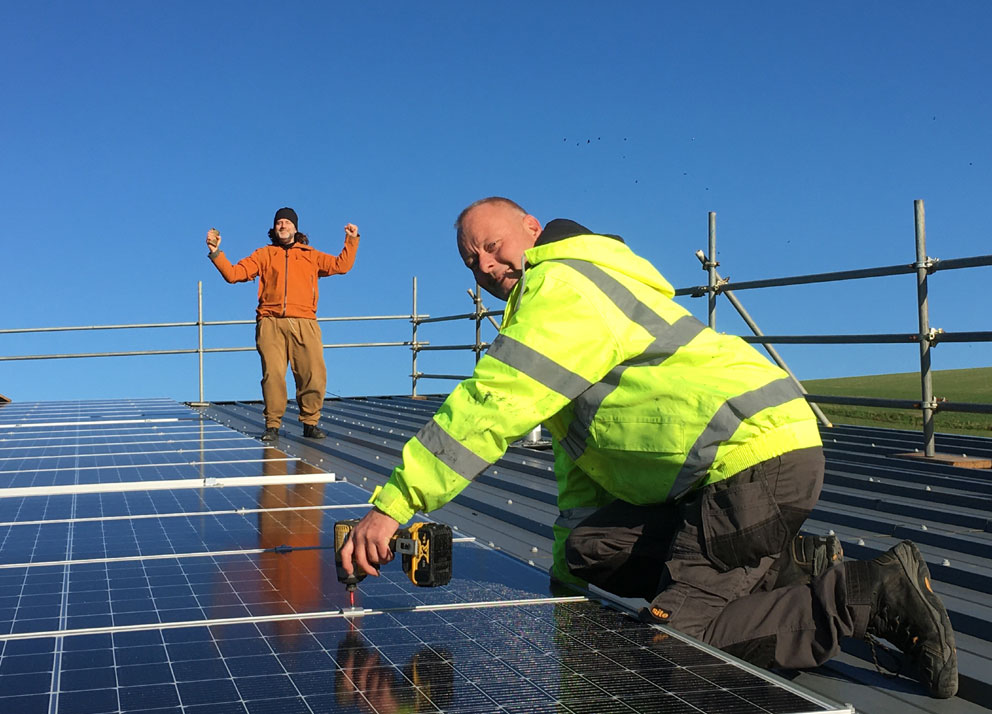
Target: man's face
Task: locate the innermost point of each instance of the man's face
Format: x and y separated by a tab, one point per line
285	230
492	244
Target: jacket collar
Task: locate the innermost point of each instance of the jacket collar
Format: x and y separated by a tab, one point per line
294	244
562	228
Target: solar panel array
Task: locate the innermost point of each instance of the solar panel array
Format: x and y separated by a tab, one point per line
153	560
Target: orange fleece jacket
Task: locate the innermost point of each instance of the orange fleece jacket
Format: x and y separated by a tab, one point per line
287	285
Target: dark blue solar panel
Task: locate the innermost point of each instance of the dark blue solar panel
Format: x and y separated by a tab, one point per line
460	661
140	503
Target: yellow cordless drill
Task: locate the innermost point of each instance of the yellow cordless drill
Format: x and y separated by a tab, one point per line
425	547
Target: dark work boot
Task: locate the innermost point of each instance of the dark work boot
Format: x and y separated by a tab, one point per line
807	557
311	431
906	612
271	433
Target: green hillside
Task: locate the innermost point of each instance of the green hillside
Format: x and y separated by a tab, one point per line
955	385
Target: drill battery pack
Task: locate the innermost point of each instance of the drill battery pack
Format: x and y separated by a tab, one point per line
428	561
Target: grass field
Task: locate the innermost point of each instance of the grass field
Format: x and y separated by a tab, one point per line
955	385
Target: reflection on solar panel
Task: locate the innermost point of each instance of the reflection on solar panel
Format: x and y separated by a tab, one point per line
119	595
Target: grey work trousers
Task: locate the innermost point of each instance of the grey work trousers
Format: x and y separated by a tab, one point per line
709	564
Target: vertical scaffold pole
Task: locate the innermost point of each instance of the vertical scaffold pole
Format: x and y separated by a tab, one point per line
926	382
199	329
413	340
477	299
711	270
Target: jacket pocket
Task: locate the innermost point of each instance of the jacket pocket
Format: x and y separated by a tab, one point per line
648	434
741	522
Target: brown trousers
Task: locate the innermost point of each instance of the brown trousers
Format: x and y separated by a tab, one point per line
298	342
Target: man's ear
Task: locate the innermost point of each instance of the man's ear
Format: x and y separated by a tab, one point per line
532	226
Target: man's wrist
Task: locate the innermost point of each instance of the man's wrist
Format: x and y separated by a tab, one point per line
388	499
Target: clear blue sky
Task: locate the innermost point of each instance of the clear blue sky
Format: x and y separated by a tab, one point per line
130	128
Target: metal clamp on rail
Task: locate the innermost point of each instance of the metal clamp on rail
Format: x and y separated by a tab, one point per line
933	404
929	263
718	287
706	264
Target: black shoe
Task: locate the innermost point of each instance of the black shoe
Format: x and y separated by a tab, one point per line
808	557
270	434
908	613
311	431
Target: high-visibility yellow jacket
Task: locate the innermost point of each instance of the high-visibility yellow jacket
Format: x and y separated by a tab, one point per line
643	401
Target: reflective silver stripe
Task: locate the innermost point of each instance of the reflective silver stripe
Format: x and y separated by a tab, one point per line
584	409
724	424
450	452
632	307
588	403
538	367
668	338
572	517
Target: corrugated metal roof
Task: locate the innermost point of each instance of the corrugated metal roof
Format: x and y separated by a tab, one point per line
871	499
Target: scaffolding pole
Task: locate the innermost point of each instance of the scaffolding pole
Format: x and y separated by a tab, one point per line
923	264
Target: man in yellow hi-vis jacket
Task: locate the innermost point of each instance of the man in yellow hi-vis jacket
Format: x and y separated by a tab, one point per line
686	462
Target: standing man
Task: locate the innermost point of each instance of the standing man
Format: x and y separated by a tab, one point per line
686	462
287	328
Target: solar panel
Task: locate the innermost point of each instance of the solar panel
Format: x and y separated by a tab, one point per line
187	600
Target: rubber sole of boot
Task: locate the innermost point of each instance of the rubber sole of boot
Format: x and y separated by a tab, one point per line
945	680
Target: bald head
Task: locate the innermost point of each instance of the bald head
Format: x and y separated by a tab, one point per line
493	234
490	201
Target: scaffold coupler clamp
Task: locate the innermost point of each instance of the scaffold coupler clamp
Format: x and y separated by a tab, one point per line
929	263
705	260
934	404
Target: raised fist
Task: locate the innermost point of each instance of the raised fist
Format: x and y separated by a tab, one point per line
213	239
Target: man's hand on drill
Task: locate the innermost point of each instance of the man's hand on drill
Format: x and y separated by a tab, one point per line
368	544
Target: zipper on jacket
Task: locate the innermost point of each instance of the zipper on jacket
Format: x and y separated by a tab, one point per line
285	284
520	283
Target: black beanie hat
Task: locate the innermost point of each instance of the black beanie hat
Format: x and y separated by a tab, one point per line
288	213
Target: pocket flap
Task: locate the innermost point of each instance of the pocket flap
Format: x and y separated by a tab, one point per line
652	434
